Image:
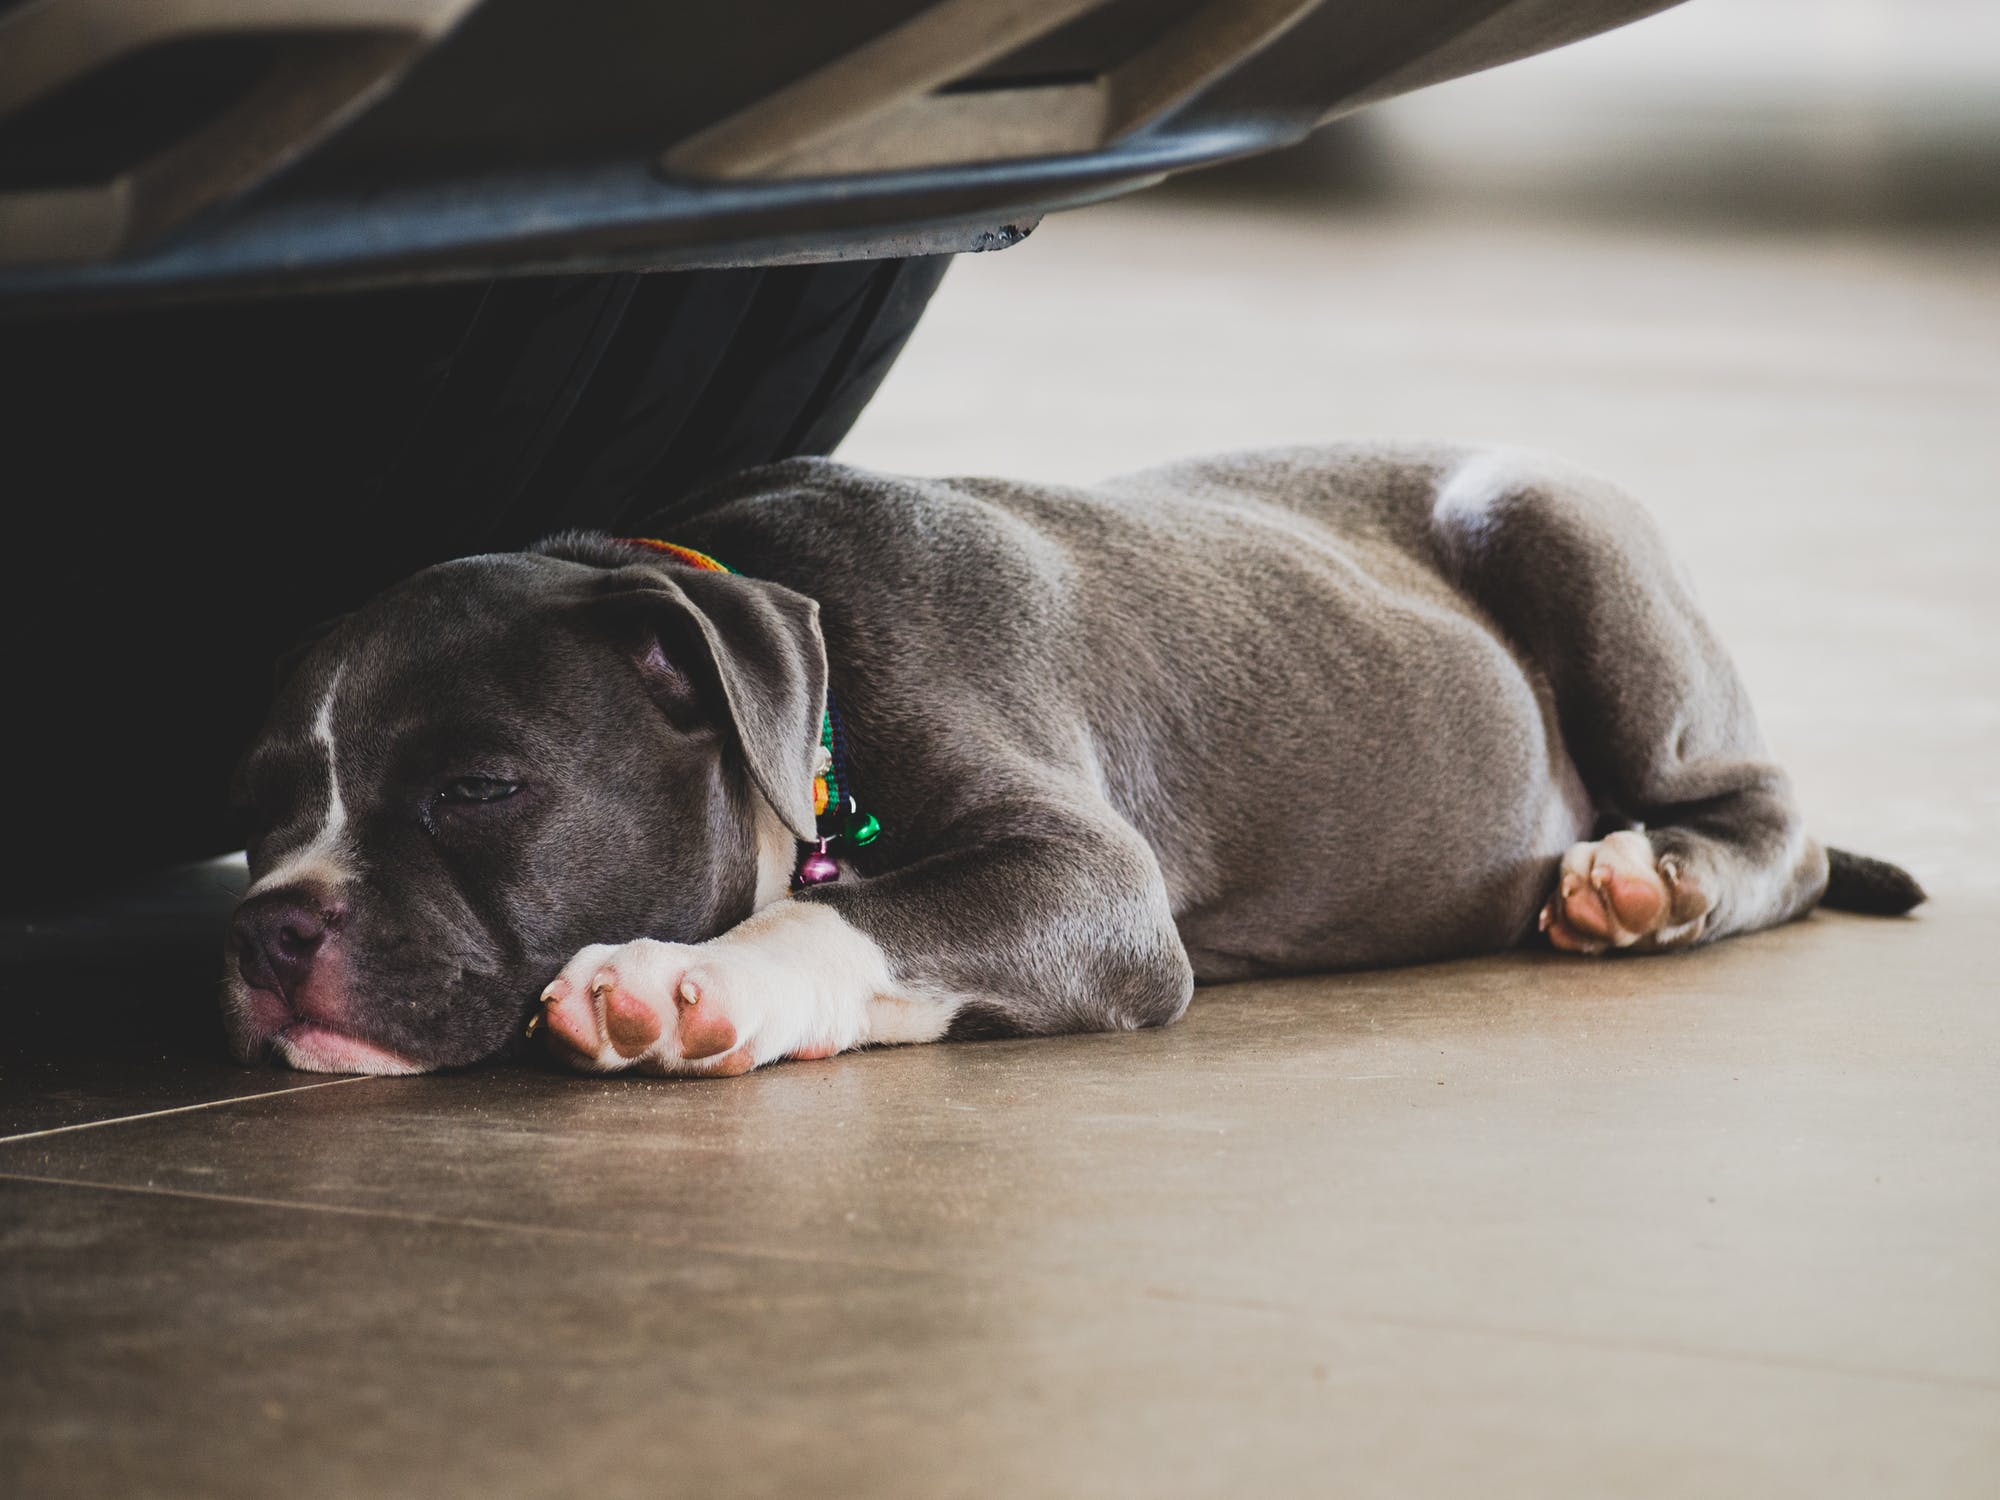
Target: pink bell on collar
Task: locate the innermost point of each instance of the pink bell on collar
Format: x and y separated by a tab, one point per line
819	867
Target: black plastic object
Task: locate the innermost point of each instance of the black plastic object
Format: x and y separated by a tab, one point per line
194	488
546	136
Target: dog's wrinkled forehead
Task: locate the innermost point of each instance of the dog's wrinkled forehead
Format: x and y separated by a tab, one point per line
467	643
463	626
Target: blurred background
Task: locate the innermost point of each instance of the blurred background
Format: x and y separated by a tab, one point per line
1740	257
1806	190
1793	113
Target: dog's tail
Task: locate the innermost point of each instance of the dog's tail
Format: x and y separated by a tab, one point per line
1855	882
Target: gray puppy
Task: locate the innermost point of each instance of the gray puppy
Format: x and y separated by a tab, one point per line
1312	709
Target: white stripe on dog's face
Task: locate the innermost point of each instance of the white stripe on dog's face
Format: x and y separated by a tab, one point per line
323	858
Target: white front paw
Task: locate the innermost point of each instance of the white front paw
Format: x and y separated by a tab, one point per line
773	987
657	1007
795	980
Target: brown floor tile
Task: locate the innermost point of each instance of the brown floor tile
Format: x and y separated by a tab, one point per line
256	1350
1748	1151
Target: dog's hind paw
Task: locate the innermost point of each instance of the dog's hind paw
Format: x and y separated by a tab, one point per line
1615	894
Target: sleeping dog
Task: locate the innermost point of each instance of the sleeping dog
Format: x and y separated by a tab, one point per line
851	760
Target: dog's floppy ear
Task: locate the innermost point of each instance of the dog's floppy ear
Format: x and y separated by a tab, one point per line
763	645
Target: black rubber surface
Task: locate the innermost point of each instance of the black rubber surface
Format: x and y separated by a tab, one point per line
192	489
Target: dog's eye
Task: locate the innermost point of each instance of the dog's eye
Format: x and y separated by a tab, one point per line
477	789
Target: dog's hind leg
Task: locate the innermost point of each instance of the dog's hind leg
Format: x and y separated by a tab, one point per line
1708	838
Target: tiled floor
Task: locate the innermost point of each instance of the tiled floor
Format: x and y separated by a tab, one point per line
1724	1224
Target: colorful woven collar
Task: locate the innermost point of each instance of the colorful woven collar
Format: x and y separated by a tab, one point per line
838	815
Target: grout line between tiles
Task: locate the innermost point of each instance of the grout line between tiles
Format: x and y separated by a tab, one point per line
356	1211
1261	1306
181	1109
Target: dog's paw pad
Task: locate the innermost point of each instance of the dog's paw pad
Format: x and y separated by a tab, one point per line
632	1024
702	1028
569	1019
733	1064
1613	893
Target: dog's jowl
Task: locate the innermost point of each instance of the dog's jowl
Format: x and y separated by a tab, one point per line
848	759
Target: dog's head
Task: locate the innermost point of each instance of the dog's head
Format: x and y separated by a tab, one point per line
501	761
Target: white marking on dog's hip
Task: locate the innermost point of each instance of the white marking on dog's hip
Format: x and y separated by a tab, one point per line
324	856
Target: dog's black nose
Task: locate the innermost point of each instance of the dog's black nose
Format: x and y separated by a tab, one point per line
277	935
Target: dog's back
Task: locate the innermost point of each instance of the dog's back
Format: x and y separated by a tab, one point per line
1225	648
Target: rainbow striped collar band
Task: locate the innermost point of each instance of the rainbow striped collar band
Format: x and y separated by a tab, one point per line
839	815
